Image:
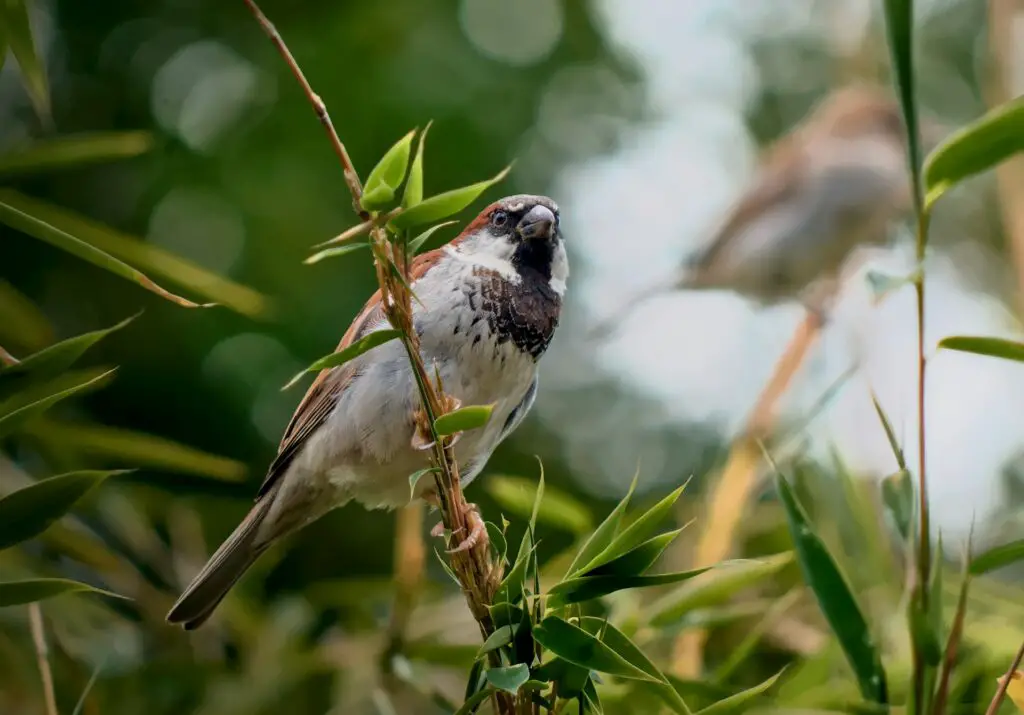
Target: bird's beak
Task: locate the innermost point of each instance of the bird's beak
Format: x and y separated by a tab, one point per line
539	222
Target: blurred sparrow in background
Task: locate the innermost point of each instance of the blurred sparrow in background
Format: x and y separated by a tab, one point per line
833	184
488	305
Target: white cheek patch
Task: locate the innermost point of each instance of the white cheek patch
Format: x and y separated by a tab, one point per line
493	255
559	270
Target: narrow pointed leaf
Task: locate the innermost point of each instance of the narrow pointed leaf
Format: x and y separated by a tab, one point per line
537	499
890	433
606	531
899	26
474	701
501	637
509	678
414	183
37	227
129	254
739	702
835	598
997	557
898	497
558	509
585	588
388	174
17	419
417	243
511	588
51	361
637	532
463	419
415	477
74	150
444	205
378	198
576	646
14	18
979	146
952	643
17	593
505	614
335	252
28	512
993	347
365	344
638	560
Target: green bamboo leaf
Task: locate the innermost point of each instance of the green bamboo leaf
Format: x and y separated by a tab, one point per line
499	639
18	418
537	499
636	561
388	174
475	700
28	512
558	509
591	700
497	539
51	361
890	433
417	243
625	648
978	147
899	25
997	557
126	255
576	646
511	588
835	598
335	252
415	477
136	448
586	588
898	497
17	593
992	347
37	227
414	184
463	419
606	531
444	205
509	678
74	150
504	613
365	344
14	19
740	701
953	641
635	533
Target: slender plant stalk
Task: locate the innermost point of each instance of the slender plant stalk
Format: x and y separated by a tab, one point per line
35	619
409	557
6	358
1004	683
478	575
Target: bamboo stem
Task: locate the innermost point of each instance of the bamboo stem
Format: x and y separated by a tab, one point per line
35	619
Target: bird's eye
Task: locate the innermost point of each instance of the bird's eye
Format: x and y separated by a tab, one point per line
499	219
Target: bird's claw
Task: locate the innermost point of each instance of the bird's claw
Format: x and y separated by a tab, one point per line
477	529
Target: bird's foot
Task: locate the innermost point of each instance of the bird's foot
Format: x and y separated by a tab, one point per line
475	523
422	438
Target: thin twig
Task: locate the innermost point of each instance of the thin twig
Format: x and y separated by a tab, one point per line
1004	682
35	619
409	558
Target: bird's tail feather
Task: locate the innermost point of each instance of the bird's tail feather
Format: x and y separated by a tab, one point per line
222	571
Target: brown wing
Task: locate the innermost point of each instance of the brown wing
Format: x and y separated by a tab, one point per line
322	395
779	178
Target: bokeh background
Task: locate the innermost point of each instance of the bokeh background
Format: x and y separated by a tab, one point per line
642	118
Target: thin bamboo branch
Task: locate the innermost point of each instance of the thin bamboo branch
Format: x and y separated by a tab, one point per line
1004	683
35	619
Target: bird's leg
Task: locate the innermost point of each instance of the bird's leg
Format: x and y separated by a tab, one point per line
474	521
422	439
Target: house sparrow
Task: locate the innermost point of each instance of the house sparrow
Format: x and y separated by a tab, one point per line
833	184
488	305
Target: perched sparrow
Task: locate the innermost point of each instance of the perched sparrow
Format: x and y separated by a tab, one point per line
489	303
833	184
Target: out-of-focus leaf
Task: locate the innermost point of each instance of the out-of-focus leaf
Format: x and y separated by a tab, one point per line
568	678
137	448
98	244
576	646
365	344
624	647
715	588
501	637
335	252
591	700
444	205
28	512
74	150
509	678
899	25
636	533
979	146
511	588
997	557
16	419
1015	689
953	641
606	531
638	560
585	588
414	183
474	701
740	701
993	347
16	593
51	361
463	419
497	539
558	508
417	243
14	19
504	613
898	496
33	392
890	433
389	172
835	598
21	320
3	45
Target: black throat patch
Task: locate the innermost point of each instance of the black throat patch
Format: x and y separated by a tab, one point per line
525	312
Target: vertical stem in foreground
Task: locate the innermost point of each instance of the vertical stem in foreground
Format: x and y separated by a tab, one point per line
1004	683
35	619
